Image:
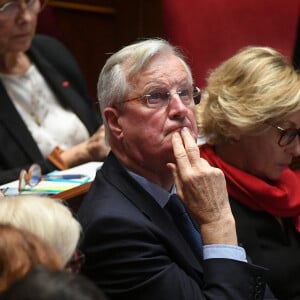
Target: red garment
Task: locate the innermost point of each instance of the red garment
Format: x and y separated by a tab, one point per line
280	198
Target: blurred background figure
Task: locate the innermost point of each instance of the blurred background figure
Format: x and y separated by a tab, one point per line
47	218
250	118
46	114
20	250
44	284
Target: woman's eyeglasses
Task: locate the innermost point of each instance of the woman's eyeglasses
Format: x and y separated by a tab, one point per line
287	136
10	9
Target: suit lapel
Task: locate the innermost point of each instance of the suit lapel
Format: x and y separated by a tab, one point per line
115	173
62	88
14	124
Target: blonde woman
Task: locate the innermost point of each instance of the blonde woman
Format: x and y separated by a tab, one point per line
250	118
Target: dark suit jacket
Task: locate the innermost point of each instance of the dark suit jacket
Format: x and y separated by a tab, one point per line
272	246
135	251
18	148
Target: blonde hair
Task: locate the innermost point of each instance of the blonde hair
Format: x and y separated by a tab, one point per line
255	86
48	218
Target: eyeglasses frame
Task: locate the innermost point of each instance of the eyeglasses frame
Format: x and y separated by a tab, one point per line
196	90
25	176
43	4
283	132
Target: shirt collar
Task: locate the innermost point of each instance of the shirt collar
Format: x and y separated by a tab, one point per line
160	195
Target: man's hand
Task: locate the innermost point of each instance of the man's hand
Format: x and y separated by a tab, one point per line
202	189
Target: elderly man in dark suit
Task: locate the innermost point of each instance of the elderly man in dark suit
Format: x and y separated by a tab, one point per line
135	242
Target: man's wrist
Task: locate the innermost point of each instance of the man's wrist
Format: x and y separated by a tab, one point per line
219	232
224	251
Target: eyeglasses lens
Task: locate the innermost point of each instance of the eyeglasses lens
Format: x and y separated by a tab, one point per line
12	8
34	175
288	136
197	95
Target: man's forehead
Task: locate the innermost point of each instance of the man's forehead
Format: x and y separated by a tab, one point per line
162	65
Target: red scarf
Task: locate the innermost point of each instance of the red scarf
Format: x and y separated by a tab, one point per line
280	199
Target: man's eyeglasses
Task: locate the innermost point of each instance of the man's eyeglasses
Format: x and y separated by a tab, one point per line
287	136
160	99
10	9
31	177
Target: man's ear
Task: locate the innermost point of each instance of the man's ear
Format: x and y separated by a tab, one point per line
112	116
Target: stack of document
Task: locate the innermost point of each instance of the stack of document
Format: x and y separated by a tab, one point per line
56	181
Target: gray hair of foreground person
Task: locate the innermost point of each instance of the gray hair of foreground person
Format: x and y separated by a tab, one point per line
254	87
44	284
46	217
120	67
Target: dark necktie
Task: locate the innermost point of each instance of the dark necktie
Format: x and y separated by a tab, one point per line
185	225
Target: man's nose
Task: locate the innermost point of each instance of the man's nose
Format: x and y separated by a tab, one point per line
176	107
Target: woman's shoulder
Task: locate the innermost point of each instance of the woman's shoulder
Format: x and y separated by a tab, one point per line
49	49
48	45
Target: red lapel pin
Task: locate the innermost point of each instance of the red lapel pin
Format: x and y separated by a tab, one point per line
65	83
